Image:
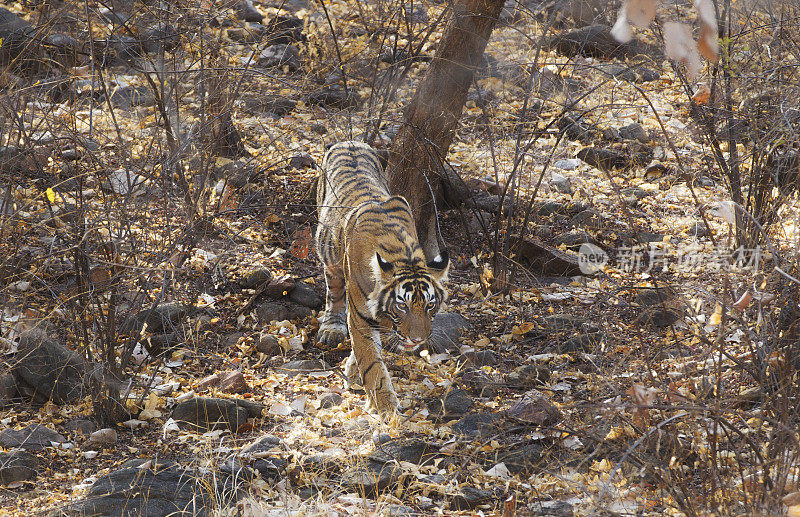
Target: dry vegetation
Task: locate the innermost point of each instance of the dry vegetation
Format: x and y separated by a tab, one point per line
157	163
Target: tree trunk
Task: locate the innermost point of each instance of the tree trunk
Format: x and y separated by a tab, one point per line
417	155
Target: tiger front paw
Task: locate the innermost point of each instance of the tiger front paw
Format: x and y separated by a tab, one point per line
332	330
384	402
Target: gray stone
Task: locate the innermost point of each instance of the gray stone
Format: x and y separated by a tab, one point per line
127	97
81	426
256	278
8	389
276	310
163	488
698	230
634	131
17	466
304	366
568	164
590	219
480	425
574	239
551	509
334	97
446	329
246	11
329	400
278	56
34	437
597	41
536	409
305	295
262	445
470	498
268	344
524	459
161	37
650	296
203	414
479	383
527	376
379	469
47	370
164	317
479	357
659	317
273	104
583	342
455	403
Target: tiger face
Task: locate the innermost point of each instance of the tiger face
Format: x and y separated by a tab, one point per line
411	295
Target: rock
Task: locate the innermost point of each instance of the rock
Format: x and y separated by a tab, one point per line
203	414
233	382
650	296
574	239
260	446
125	183
304	366
551	509
583	342
522	459
127	97
455	404
634	131
161	37
480	358
276	105
607	160
704	182
446	330
18	37
656	170
160	344
8	389
246	11
379	438
589	219
597	41
698	230
147	487
329	400
632	74
278	56
126	50
659	317
268	344
334	97
536	409
380	468
305	295
284	29
551	207
479	425
575	128
634	193
252	32
256	278
470	498
164	317
560	183
479	383
527	376
103	437
208	382
47	370
254	409
17	466
542	259
274	310
302	161
81	426
34	437
568	164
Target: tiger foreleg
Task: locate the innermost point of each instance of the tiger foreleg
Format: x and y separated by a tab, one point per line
333	325
368	360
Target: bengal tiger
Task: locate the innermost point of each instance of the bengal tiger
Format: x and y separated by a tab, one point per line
378	281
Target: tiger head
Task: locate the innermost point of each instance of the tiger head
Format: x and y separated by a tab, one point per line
412	294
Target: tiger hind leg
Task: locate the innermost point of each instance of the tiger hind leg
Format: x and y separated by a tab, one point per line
333	325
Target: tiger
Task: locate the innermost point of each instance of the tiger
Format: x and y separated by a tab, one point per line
377	277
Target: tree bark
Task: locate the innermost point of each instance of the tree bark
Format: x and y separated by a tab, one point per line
417	155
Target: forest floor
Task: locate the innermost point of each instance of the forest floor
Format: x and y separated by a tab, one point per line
626	391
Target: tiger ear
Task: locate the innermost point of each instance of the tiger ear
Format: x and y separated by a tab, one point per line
439	264
386	267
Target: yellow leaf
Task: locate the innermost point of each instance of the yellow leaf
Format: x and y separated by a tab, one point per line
51	196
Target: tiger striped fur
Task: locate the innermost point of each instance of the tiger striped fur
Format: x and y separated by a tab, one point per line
375	270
